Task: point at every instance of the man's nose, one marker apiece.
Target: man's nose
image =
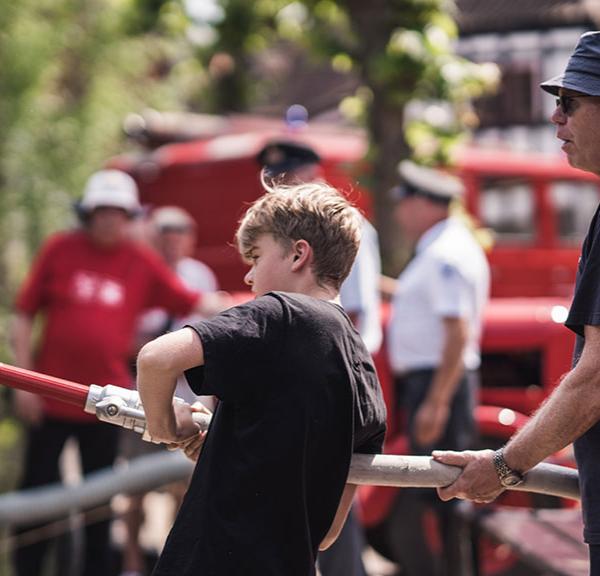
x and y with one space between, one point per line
249 277
558 116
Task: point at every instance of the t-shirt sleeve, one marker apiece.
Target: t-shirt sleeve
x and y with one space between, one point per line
238 344
33 293
166 290
370 415
585 308
449 291
373 444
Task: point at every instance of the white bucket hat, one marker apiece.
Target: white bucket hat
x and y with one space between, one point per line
110 188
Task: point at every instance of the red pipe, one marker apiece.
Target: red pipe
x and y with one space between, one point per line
63 390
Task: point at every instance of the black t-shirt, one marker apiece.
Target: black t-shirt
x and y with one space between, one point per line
585 311
298 395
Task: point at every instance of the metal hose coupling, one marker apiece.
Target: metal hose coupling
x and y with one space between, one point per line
123 407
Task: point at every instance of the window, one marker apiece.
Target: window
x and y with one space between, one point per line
575 204
513 103
507 206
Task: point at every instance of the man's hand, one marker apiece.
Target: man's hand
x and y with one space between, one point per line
29 407
430 422
212 303
478 480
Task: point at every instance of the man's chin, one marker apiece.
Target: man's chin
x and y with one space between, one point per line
567 148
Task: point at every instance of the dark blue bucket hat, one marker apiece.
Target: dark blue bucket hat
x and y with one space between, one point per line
582 73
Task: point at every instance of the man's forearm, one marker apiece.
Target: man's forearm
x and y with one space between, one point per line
21 334
564 417
451 368
572 408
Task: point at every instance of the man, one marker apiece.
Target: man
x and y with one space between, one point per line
433 345
291 162
90 286
297 395
572 411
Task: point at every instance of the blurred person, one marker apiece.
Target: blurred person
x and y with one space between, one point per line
572 412
297 390
433 348
90 285
290 162
172 232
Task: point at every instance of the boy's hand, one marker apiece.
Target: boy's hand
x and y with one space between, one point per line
191 443
193 446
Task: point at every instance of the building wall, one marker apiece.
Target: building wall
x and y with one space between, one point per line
518 117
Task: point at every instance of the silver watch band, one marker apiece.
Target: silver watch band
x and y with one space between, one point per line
506 475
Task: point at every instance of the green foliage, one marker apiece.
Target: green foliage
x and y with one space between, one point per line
71 71
416 92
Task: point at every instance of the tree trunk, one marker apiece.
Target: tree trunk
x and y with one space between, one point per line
387 137
374 22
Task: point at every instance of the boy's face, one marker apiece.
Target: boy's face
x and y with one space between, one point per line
271 266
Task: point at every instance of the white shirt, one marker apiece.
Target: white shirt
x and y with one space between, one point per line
448 278
360 291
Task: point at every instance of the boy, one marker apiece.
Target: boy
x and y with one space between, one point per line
298 395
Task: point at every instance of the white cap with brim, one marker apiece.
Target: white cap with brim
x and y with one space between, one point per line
427 182
582 73
172 217
111 189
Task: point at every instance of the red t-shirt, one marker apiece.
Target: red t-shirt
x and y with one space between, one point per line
90 298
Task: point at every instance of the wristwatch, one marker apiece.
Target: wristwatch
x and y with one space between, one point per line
507 476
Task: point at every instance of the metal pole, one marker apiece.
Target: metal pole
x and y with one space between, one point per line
123 407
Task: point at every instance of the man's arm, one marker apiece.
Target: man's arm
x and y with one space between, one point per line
572 408
212 303
432 416
159 364
340 516
28 406
20 339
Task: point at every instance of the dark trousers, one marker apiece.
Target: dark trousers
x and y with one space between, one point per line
344 557
414 539
98 449
594 560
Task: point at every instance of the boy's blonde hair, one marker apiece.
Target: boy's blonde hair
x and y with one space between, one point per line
314 212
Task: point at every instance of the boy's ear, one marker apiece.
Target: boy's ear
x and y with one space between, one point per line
302 252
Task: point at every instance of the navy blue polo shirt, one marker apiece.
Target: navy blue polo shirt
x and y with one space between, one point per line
585 311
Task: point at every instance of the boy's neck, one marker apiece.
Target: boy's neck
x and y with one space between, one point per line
327 293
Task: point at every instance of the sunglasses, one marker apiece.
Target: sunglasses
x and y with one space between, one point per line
566 103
